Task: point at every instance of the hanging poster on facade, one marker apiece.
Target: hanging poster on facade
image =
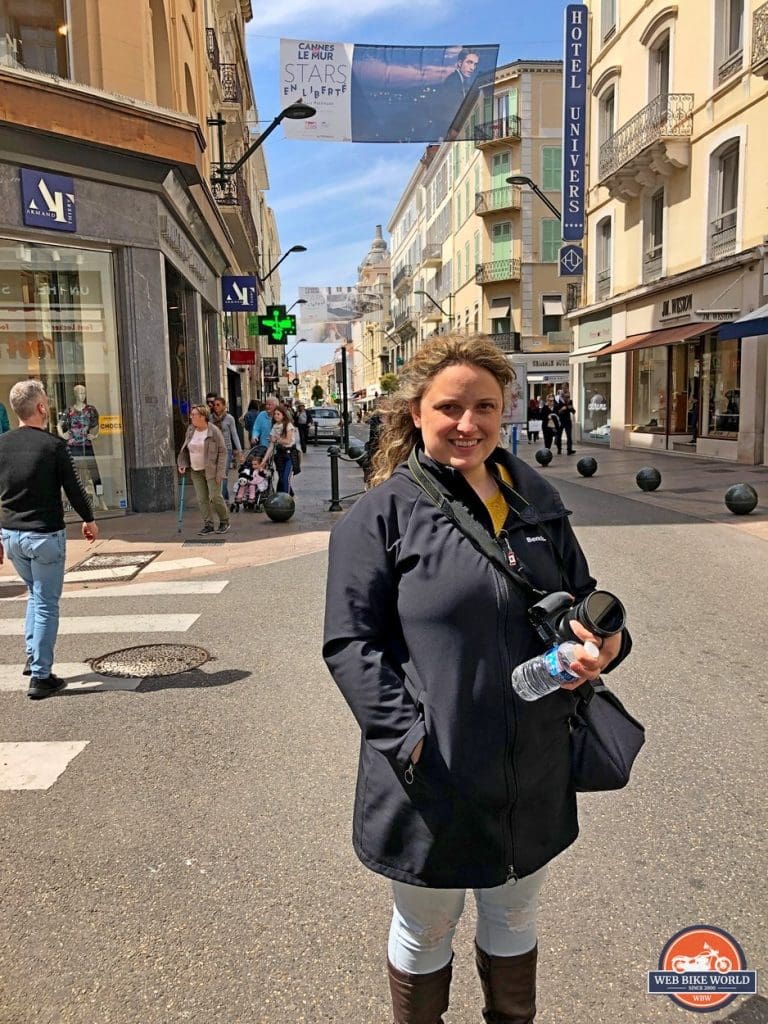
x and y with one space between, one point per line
367 93
340 305
270 369
327 333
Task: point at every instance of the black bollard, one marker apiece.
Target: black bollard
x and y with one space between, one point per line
333 455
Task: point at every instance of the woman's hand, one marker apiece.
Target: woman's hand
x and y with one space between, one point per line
585 665
416 752
182 470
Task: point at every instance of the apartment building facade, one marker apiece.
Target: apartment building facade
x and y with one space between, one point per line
112 242
676 229
470 250
368 355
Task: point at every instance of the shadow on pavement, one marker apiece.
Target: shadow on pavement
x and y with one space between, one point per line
752 1011
194 680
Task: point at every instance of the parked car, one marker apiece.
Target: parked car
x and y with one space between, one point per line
326 425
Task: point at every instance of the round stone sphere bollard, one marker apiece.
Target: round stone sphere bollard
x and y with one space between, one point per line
356 452
543 456
648 479
280 507
587 466
741 499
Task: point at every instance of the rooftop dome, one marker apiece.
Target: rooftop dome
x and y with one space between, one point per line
378 253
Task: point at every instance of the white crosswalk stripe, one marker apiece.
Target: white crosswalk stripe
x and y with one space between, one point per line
37 765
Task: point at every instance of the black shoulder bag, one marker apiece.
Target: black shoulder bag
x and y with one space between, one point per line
605 738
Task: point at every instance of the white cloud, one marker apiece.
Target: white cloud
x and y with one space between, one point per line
335 13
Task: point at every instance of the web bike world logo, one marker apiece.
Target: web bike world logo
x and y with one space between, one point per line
702 969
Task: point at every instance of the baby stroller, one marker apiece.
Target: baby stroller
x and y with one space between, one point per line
253 487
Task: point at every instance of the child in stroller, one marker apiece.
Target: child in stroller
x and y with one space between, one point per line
253 487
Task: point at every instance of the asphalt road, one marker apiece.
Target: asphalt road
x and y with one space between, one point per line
194 863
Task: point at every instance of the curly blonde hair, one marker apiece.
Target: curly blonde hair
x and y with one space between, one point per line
400 435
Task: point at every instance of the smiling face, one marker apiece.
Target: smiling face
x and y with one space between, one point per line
459 416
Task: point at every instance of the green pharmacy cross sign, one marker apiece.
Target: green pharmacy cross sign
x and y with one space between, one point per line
277 325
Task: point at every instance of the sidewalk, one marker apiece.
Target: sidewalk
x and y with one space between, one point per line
694 487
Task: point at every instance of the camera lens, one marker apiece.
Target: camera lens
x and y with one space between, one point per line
602 613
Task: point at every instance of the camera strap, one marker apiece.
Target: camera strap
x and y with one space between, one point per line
461 518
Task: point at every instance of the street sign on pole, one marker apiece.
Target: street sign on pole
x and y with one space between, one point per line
571 261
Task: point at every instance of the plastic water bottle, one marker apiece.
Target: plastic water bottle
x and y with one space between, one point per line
546 672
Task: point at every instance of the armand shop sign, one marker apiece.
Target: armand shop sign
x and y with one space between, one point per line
110 424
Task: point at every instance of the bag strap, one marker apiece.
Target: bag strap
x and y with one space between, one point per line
463 521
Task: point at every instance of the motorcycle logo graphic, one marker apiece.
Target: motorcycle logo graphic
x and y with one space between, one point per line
702 968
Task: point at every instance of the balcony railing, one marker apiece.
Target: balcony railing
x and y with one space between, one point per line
652 264
722 235
233 192
402 317
501 128
497 270
603 283
212 47
404 274
230 83
760 41
507 341
432 252
730 66
505 198
572 297
669 115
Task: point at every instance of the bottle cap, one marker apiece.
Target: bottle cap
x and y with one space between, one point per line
591 649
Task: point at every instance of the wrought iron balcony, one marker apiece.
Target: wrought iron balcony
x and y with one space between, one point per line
760 41
722 235
403 317
572 297
652 264
499 130
505 198
212 47
230 83
654 142
732 63
603 283
497 270
402 278
506 341
233 195
432 254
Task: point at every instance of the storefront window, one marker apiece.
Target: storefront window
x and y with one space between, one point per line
649 390
595 406
34 35
720 388
57 325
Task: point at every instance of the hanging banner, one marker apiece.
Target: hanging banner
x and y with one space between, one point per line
340 305
384 93
574 121
326 333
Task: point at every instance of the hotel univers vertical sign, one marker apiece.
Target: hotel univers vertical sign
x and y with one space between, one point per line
575 120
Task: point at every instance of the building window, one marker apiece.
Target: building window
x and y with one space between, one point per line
550 240
604 258
725 197
551 168
653 245
730 38
649 390
552 312
606 115
607 19
459 280
467 269
721 370
34 36
658 68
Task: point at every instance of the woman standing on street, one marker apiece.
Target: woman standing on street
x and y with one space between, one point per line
204 454
281 440
461 784
550 425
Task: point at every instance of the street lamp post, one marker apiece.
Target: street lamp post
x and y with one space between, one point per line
298 302
270 272
522 179
298 111
449 314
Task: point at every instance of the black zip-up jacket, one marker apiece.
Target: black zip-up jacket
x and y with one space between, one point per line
34 467
422 632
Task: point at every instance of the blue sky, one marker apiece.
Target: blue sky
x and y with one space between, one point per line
329 196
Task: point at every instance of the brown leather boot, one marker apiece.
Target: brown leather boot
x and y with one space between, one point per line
419 998
509 986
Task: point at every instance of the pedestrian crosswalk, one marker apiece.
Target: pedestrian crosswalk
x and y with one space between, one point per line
35 764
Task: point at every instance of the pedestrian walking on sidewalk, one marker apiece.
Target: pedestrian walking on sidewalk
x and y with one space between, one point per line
461 784
565 413
204 454
550 425
34 467
302 423
225 421
535 407
249 419
282 439
262 425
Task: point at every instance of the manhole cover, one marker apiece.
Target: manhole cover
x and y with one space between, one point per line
122 565
150 660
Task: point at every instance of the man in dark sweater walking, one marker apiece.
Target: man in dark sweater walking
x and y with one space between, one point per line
34 467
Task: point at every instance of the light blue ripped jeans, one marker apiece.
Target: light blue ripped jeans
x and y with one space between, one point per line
424 920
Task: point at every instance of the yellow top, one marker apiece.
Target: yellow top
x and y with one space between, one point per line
497 506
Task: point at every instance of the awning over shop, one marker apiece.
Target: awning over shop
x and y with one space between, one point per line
499 308
666 336
748 326
552 305
582 354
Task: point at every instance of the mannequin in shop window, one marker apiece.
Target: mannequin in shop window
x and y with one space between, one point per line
79 426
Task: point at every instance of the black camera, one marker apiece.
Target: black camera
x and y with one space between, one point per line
600 612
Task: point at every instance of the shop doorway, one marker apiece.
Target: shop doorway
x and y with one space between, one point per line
177 342
684 390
